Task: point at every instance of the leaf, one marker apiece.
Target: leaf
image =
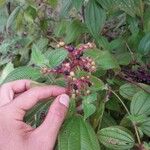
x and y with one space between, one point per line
107 120
8 68
42 44
30 14
128 90
88 107
53 3
145 127
137 118
115 138
95 17
13 16
106 60
30 116
144 46
97 117
140 104
73 31
66 7
109 5
37 57
60 28
78 4
3 18
2 2
23 73
128 6
97 84
77 134
57 56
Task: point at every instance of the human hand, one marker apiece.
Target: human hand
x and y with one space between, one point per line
15 99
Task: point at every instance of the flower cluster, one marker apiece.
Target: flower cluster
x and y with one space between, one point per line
76 86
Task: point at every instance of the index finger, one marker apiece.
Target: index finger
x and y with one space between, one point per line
8 90
29 98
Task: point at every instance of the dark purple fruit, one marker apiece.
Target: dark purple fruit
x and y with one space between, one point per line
66 73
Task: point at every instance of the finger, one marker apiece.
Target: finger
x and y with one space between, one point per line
54 119
29 98
8 90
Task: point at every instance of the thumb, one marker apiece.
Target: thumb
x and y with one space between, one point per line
54 119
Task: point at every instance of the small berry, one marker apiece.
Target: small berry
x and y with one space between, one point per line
86 46
74 79
66 72
85 69
70 48
93 63
88 77
75 87
62 44
82 78
77 91
67 65
58 45
72 74
88 91
93 67
73 96
89 84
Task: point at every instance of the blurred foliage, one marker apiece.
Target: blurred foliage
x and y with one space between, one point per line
119 106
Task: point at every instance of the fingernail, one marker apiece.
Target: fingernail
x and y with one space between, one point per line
64 100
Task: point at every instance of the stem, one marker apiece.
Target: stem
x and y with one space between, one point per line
134 125
142 10
132 54
121 102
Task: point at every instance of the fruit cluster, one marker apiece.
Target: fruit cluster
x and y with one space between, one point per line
76 60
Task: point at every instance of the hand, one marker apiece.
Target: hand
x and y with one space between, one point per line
15 99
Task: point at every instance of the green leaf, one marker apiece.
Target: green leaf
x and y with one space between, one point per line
128 6
77 134
73 31
37 57
137 118
23 73
115 138
60 28
106 60
53 3
30 116
144 46
2 2
109 5
88 107
95 17
140 104
13 16
97 84
30 14
78 4
8 68
3 18
56 57
128 90
107 120
66 7
145 127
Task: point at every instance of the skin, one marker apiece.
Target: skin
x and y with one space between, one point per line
15 99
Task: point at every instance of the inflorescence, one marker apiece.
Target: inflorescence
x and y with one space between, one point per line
76 60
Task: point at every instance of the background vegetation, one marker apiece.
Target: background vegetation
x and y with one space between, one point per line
116 115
